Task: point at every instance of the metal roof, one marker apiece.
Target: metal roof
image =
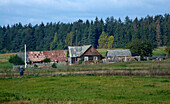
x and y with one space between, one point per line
56 55
37 56
77 51
118 52
22 56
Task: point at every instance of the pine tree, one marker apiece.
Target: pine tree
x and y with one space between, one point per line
69 39
158 32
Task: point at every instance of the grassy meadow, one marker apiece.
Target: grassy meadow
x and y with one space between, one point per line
159 51
85 89
108 83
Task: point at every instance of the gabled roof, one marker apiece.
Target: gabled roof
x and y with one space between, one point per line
77 51
118 52
56 55
37 56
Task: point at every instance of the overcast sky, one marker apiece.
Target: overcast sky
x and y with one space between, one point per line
37 11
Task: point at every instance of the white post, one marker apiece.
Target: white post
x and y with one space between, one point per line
70 60
25 57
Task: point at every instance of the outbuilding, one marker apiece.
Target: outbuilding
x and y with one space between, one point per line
118 55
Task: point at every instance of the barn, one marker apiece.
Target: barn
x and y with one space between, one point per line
83 53
54 56
118 55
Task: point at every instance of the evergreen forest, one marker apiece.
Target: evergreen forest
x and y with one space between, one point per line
109 33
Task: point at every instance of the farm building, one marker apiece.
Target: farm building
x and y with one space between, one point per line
83 53
118 55
54 56
158 57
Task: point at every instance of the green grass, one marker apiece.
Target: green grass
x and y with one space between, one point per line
5 65
159 51
5 57
102 52
85 89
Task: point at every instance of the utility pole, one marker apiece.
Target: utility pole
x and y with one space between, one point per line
25 57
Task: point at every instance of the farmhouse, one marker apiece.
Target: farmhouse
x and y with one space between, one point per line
54 56
118 55
83 53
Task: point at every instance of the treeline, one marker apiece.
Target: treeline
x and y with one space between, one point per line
56 36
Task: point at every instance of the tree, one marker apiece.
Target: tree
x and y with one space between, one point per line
110 42
47 60
167 50
69 39
16 60
60 35
158 32
103 40
54 44
91 36
141 47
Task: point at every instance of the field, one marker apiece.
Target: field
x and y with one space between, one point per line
85 89
131 82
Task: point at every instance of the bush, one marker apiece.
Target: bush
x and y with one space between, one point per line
16 60
47 60
54 65
30 62
35 65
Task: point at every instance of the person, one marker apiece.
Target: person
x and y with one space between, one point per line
21 70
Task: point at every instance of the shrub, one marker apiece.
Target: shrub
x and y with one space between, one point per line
30 62
35 65
54 65
16 60
81 61
47 60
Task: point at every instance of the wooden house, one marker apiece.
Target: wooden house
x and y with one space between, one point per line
83 53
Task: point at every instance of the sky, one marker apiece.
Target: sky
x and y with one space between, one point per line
67 11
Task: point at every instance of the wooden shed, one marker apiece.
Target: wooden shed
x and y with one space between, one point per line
118 55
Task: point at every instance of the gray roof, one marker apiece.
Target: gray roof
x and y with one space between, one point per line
118 52
77 51
22 56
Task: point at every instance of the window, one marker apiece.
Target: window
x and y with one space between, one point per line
86 58
95 58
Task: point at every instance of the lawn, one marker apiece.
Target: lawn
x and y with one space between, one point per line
85 89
